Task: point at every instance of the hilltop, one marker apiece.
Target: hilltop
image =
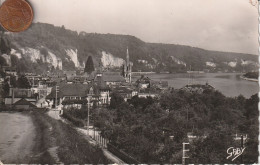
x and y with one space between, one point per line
44 47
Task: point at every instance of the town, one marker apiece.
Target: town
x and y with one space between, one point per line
63 89
84 96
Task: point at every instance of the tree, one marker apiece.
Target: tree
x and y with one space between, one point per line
251 106
44 51
252 129
13 81
141 102
6 87
2 61
89 67
23 82
116 100
5 47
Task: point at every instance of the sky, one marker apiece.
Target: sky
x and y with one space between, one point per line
222 25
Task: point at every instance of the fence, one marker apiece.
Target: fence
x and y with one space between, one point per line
104 143
100 140
122 155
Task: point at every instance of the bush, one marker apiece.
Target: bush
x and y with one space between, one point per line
77 122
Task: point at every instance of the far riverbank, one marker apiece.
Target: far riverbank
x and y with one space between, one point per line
248 79
230 84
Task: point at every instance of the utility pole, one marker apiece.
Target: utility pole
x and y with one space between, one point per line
56 92
184 156
94 117
242 146
88 114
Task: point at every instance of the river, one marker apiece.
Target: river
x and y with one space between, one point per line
230 84
16 138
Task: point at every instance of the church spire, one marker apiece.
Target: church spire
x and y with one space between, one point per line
127 56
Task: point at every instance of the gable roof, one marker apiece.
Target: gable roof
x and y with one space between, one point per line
69 90
113 77
24 102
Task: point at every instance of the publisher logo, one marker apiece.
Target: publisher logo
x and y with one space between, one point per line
234 153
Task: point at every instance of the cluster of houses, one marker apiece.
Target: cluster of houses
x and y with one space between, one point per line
76 89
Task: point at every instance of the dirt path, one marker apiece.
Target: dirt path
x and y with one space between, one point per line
63 143
17 134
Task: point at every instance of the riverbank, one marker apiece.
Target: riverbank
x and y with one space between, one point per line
248 79
54 142
230 84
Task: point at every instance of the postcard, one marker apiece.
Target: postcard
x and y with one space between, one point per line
129 82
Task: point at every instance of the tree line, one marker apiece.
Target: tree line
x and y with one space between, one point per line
152 130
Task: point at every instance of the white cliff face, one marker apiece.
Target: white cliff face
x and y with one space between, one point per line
108 60
52 59
59 64
34 55
232 64
17 54
247 62
211 64
155 61
176 60
73 54
7 59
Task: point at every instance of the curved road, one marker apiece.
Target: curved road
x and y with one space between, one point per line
17 134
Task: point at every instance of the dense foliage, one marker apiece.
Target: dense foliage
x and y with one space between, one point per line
76 116
23 82
152 130
89 66
253 75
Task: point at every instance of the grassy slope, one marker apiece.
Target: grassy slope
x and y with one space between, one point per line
73 148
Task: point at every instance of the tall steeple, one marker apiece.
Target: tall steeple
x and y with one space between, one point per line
128 68
127 57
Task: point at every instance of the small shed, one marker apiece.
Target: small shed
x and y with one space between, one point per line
24 104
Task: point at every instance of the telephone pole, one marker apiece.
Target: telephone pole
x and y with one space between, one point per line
56 92
88 114
242 146
184 150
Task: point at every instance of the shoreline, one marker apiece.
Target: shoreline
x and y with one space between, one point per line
248 79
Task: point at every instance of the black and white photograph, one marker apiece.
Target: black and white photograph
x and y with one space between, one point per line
129 82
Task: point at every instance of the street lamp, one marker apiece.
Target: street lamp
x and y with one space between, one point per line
88 114
56 95
88 99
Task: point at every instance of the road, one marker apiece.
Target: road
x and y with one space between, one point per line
34 137
16 137
89 137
